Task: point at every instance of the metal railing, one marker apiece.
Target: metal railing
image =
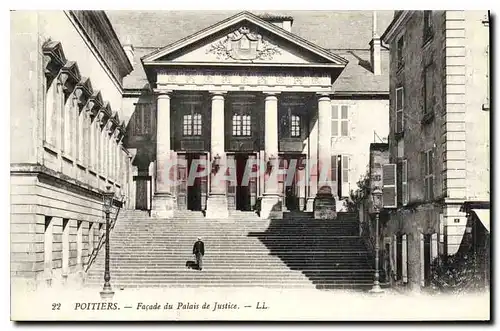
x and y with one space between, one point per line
102 237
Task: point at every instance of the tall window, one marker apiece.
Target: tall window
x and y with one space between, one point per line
340 174
242 125
399 51
191 124
399 109
142 123
404 186
340 120
428 90
290 124
53 105
428 159
428 28
345 175
295 126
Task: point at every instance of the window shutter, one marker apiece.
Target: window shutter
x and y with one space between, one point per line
334 168
404 184
344 126
333 174
422 260
399 181
335 121
405 258
345 175
434 246
399 110
389 186
395 255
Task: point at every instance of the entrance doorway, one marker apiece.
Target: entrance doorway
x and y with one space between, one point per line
289 186
242 188
242 196
192 188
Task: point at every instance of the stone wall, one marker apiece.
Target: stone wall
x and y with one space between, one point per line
55 195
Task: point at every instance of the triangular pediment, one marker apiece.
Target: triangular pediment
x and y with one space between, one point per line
244 38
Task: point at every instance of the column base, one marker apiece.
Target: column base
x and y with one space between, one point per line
271 207
310 204
163 205
324 207
217 207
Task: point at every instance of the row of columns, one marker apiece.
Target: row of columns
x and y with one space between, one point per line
217 202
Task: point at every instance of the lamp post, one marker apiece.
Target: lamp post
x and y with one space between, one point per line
107 197
377 205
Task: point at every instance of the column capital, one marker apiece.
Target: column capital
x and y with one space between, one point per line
323 96
213 93
162 94
271 95
217 95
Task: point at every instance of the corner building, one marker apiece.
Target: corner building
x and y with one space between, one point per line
439 134
67 131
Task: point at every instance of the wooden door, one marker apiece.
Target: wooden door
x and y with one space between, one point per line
203 181
231 185
253 179
283 164
141 196
182 173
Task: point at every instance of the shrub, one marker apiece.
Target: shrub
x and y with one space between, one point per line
458 273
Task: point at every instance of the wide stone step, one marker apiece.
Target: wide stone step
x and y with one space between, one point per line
231 282
276 285
206 274
239 257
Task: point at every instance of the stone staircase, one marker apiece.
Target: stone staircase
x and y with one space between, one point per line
243 251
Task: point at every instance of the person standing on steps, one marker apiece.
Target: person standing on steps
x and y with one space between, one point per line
199 252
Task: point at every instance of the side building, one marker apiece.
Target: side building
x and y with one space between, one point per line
66 135
439 132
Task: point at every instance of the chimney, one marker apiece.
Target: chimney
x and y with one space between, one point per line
129 50
284 22
375 47
287 25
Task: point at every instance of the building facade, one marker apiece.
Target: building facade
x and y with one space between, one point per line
247 96
98 101
66 133
439 132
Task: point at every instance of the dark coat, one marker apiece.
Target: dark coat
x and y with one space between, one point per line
199 247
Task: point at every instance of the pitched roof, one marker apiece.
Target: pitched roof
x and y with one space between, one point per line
246 16
327 29
345 33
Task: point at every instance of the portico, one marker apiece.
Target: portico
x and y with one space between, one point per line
238 105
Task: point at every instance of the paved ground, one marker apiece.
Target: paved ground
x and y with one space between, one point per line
244 304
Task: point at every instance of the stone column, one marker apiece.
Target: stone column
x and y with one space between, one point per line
324 204
163 202
217 200
312 164
271 199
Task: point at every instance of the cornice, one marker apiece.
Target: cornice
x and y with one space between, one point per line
393 27
99 20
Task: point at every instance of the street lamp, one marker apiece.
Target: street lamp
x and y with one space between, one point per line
377 205
107 198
